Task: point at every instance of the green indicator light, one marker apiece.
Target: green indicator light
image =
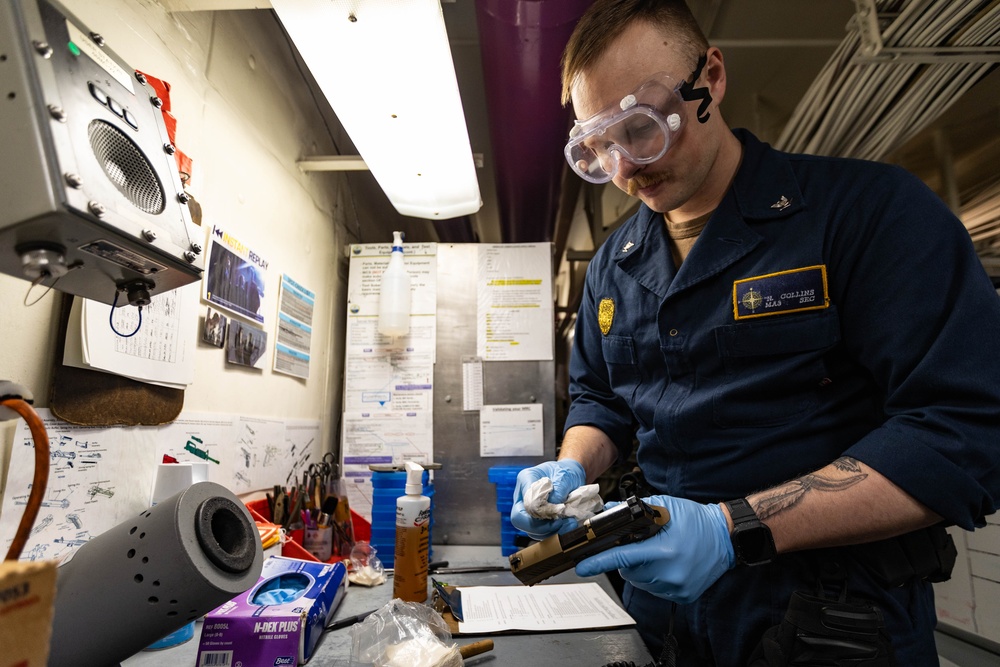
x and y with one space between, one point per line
73 48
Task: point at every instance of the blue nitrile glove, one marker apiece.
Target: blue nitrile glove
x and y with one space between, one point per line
681 560
567 475
282 589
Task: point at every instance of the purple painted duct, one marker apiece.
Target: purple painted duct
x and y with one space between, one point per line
455 230
521 42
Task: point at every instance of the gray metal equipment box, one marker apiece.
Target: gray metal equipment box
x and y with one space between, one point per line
92 202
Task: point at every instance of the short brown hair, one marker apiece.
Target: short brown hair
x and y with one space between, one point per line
605 20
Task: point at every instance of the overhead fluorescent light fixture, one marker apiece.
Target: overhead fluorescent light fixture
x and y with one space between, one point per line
386 68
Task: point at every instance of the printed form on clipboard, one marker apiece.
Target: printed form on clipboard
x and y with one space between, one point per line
541 608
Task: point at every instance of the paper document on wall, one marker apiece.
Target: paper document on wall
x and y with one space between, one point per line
543 607
511 430
514 314
161 351
100 476
261 458
367 263
236 276
296 305
303 444
472 383
200 438
380 438
389 380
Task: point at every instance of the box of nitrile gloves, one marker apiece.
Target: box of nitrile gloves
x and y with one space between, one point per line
277 622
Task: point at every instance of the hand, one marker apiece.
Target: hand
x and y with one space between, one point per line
680 561
566 475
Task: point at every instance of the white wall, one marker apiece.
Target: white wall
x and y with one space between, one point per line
244 116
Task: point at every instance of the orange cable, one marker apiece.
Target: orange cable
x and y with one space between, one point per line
41 479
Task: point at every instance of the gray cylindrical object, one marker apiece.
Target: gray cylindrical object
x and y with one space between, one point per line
153 574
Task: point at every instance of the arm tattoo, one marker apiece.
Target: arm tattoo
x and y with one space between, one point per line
791 493
847 464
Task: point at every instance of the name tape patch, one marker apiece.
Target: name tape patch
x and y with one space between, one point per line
783 292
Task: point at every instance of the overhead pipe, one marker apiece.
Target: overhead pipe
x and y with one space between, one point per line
521 42
456 230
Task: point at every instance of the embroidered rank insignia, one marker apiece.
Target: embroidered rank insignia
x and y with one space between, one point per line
605 315
782 203
783 292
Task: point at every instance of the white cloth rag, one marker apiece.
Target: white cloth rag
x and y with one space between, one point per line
367 576
421 651
581 504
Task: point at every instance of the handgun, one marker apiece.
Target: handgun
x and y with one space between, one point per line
632 521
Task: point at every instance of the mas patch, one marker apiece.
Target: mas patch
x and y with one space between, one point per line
783 292
605 315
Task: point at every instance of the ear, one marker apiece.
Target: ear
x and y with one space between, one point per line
714 75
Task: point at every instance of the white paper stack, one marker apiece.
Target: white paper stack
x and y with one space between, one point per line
161 351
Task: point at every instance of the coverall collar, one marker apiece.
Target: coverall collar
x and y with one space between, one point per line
764 188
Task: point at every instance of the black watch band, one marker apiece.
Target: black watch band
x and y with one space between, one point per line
752 541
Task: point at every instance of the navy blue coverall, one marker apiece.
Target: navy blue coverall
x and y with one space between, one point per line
829 308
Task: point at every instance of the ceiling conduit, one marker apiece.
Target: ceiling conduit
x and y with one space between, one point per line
902 64
521 42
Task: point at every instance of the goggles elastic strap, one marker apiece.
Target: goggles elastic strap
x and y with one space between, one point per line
689 93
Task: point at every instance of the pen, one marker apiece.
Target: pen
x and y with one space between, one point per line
350 620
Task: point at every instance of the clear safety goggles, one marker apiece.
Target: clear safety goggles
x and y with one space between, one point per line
641 128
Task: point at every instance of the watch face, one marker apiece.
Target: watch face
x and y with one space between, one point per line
752 542
755 544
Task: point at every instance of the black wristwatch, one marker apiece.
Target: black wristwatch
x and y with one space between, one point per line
752 540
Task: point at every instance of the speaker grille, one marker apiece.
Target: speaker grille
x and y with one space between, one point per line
127 167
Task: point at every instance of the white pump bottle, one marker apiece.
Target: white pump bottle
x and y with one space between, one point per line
394 293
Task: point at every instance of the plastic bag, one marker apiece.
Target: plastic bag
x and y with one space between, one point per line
366 567
403 634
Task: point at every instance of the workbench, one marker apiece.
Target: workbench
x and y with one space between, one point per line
579 648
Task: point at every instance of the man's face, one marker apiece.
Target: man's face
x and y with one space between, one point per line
640 52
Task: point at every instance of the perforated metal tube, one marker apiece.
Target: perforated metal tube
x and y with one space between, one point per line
153 574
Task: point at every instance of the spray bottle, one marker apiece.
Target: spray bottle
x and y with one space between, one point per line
413 518
394 293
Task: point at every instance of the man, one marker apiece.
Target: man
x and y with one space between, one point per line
813 335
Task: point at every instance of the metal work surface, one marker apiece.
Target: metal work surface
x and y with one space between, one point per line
464 500
582 648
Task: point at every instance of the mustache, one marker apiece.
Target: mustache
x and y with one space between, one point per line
640 181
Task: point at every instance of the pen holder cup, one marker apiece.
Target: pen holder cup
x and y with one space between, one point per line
319 542
293 547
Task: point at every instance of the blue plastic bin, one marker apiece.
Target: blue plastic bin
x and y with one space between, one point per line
505 479
386 488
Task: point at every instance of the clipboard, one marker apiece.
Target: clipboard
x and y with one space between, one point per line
448 601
